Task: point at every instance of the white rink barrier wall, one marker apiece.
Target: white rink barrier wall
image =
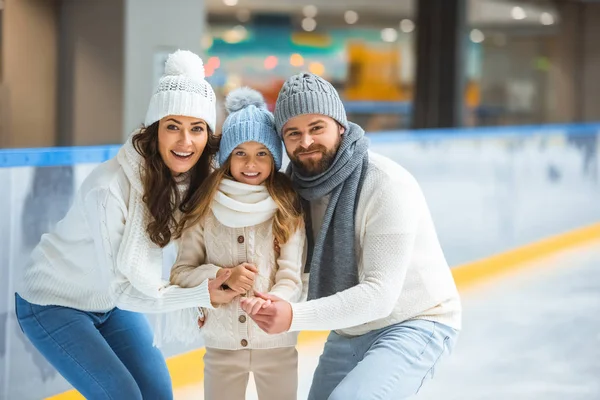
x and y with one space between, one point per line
489 190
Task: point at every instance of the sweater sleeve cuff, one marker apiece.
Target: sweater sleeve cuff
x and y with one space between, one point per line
210 270
283 293
204 295
197 296
304 317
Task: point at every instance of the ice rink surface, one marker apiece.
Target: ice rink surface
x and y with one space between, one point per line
534 334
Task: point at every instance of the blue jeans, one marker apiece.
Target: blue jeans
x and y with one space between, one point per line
103 355
389 363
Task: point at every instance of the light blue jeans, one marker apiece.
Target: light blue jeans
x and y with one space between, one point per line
104 356
389 363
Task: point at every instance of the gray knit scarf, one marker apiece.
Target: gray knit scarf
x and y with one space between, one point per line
343 180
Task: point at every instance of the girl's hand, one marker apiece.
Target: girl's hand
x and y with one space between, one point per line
242 278
254 304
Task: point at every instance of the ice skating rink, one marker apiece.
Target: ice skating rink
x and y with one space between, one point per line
498 196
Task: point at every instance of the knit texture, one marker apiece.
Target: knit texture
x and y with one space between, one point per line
182 90
249 120
306 93
99 256
331 259
210 245
403 273
238 204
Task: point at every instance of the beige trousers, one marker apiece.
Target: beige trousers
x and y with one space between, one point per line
275 371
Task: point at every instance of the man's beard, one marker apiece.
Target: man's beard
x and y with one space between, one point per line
310 167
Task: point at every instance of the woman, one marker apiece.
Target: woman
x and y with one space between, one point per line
90 279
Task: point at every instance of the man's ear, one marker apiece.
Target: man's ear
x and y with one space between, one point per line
342 129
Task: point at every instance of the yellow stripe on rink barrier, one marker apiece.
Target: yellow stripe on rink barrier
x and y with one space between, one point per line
469 274
70 395
187 369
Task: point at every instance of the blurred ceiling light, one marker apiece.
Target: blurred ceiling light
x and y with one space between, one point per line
235 35
316 68
546 18
351 17
389 35
214 62
243 15
271 62
233 81
296 60
407 26
477 36
518 13
230 3
211 65
207 41
309 24
310 11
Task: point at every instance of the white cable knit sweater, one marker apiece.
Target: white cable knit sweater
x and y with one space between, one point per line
220 241
403 273
99 256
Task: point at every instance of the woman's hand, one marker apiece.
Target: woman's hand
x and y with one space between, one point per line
201 318
218 295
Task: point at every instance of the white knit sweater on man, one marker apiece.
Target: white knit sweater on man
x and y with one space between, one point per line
403 273
99 256
240 229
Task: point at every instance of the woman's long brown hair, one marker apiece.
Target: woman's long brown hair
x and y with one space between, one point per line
160 189
288 217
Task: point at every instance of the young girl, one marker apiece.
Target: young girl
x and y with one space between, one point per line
247 219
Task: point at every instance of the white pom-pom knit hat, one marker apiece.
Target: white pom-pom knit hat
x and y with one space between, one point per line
182 90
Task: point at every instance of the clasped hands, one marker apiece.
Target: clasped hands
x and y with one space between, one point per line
271 313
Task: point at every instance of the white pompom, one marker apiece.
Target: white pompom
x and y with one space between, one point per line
242 98
184 62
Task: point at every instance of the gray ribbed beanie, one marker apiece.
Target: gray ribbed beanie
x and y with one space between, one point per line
307 93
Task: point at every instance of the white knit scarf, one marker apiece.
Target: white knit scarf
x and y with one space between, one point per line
238 205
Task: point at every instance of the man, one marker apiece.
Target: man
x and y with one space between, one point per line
377 276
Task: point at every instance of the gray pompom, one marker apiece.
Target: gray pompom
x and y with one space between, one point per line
242 98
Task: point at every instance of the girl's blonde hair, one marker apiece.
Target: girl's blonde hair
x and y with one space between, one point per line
288 217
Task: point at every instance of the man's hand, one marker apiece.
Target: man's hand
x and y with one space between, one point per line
219 295
242 277
273 318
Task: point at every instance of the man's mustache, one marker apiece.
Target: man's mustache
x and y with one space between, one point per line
311 148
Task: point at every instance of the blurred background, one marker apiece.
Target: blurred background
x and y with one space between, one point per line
494 105
80 72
